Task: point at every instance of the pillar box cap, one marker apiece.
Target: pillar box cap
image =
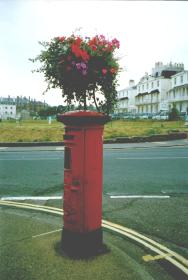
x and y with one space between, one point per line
83 118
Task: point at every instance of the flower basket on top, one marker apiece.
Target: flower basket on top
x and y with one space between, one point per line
83 69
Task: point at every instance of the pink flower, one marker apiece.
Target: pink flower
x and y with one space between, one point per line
116 43
78 66
104 71
83 65
84 72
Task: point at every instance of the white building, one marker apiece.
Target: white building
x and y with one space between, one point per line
151 92
7 111
165 87
177 95
126 99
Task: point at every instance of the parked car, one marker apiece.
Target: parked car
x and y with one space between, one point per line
145 116
163 115
183 115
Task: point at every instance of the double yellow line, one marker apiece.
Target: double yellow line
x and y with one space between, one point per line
163 252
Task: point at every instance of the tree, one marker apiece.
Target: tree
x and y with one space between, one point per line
174 114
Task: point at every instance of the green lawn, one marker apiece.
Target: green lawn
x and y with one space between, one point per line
40 130
26 258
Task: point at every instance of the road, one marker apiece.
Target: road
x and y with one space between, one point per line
133 170
128 170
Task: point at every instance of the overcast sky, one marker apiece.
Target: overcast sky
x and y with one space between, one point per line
148 32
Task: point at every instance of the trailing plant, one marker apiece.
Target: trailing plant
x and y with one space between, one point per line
85 69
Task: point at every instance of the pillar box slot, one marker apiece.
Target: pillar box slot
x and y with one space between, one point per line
67 160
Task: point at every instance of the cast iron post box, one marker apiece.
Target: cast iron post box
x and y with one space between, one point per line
82 201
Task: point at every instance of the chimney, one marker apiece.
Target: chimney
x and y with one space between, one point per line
131 83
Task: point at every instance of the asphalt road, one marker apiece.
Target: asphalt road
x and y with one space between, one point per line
132 170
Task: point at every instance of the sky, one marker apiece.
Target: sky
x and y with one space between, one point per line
148 31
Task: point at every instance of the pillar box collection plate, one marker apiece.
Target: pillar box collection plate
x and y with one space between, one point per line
82 200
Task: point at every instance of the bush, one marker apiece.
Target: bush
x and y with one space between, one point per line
174 114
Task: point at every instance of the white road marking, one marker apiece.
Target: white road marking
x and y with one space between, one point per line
153 158
24 159
31 198
46 233
60 149
139 196
3 148
163 143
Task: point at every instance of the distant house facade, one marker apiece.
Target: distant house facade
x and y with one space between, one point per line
167 86
177 95
126 99
7 111
23 107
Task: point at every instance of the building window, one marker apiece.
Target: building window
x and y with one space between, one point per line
152 85
142 87
181 79
175 81
158 83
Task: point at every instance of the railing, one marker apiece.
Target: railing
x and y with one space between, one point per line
177 98
147 101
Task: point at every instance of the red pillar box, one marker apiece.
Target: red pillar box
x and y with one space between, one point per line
82 203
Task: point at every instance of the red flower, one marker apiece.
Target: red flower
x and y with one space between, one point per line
113 70
108 48
93 41
62 38
76 50
94 48
79 52
104 71
78 41
84 55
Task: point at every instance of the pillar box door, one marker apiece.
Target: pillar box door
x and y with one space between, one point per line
82 201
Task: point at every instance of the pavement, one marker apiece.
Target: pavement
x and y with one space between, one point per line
183 142
52 147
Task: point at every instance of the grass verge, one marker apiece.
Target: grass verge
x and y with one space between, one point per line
40 131
26 258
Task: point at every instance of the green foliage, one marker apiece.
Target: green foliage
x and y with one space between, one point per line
82 68
174 114
50 111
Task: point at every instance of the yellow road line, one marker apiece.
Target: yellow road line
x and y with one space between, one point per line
117 228
151 247
149 258
162 247
32 207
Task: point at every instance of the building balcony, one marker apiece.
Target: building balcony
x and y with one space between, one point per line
177 98
149 101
